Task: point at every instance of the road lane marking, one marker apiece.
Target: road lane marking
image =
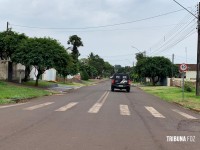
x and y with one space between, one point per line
183 114
68 106
97 106
154 112
38 106
124 110
12 105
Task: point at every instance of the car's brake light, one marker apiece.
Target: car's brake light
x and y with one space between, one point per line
129 81
113 81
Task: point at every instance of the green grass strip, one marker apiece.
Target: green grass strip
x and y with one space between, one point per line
174 94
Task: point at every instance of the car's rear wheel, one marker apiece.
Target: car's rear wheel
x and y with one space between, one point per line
112 89
128 90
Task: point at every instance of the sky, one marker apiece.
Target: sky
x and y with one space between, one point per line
114 29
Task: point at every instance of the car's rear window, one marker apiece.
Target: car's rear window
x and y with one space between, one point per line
121 77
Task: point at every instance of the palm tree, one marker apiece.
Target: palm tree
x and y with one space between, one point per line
76 42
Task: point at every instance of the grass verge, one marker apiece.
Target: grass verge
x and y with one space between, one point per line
9 93
43 84
83 83
174 94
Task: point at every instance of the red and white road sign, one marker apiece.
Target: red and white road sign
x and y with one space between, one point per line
183 67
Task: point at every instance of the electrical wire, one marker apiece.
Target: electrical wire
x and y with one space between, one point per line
173 30
185 36
175 35
102 26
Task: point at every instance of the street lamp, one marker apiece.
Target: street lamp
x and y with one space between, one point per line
144 52
136 48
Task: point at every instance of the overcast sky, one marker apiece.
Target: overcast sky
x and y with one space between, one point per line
113 29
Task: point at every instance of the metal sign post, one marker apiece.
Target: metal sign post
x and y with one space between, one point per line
183 68
183 75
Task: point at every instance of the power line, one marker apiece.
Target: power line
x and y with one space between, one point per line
173 30
186 9
185 36
179 32
103 26
122 29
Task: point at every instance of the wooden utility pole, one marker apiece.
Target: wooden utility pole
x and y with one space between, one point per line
198 55
10 64
198 46
172 65
7 26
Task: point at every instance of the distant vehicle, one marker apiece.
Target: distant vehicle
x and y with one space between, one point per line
121 81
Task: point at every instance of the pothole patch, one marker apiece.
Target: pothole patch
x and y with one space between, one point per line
189 125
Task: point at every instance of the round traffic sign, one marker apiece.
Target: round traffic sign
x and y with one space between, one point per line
183 67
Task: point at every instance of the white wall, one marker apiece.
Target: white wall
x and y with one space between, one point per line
191 75
3 70
49 75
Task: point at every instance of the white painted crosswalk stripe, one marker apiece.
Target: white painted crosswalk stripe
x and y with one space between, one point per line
184 114
124 110
38 106
154 112
68 106
12 105
97 106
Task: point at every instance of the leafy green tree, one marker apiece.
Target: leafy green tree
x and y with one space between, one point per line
76 42
43 54
63 66
9 43
154 68
108 69
140 56
97 62
84 75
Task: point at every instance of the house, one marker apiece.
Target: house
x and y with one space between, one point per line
48 75
190 75
3 70
191 72
18 72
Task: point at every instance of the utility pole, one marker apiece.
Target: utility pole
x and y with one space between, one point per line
198 46
10 65
198 55
172 65
7 26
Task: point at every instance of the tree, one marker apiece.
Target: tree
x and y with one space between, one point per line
84 75
140 56
64 67
108 69
84 65
97 62
9 43
154 67
76 42
42 53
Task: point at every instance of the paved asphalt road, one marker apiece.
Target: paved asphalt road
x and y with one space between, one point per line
93 118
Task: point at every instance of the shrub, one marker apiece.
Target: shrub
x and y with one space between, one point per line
188 86
84 75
